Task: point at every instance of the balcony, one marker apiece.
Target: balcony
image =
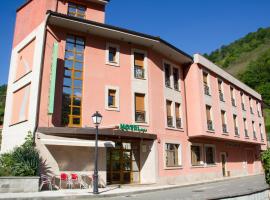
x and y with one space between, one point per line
140 116
246 133
221 96
224 128
233 102
210 125
243 107
236 131
206 90
170 121
167 82
138 72
178 123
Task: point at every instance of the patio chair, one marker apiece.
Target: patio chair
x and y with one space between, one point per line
64 178
87 180
45 180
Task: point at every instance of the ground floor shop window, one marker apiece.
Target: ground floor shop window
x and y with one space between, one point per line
173 152
209 155
196 155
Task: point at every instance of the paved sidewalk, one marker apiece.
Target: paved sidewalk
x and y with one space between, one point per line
211 190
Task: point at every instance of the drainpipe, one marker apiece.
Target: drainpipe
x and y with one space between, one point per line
40 77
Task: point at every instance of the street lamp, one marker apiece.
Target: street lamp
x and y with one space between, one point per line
96 117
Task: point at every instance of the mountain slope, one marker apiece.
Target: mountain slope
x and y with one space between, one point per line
248 59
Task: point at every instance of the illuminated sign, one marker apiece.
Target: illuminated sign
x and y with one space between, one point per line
132 127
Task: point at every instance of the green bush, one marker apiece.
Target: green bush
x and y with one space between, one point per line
266 164
22 161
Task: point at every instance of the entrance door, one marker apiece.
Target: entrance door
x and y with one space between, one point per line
249 160
223 163
120 164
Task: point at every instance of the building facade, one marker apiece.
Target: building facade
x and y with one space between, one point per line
167 117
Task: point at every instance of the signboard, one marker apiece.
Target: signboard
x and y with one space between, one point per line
132 127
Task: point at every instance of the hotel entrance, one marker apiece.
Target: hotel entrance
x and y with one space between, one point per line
123 163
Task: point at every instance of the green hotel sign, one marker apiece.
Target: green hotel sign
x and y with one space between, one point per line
132 127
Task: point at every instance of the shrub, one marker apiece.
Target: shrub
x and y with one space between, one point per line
266 164
22 161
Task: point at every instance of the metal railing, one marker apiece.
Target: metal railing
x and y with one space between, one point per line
169 121
221 96
224 128
139 116
233 102
206 90
210 125
178 123
138 72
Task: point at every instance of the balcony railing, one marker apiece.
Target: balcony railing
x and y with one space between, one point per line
167 82
138 72
178 123
169 121
246 133
243 107
254 135
224 128
251 111
236 131
139 116
206 90
221 96
233 102
210 125
176 86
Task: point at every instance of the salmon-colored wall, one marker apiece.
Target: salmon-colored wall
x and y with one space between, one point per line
25 60
20 105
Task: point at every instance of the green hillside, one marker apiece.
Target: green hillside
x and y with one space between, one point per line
248 59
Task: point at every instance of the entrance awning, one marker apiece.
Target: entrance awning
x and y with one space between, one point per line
105 132
64 141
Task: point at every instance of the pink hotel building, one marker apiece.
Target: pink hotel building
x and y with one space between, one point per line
167 117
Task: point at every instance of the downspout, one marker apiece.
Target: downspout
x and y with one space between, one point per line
40 76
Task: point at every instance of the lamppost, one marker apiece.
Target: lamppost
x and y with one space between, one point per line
96 117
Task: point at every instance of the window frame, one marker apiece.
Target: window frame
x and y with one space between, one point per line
117 56
76 6
214 156
145 122
145 67
117 98
179 155
201 162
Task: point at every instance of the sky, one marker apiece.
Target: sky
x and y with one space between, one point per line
194 26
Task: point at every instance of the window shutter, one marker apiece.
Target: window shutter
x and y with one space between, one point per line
208 114
139 102
138 59
223 117
169 110
205 78
177 110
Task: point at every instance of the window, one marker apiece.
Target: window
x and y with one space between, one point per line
139 65
261 132
178 121
196 157
112 54
254 130
245 127
173 155
258 109
167 69
243 101
220 89
250 104
139 108
223 119
176 79
111 98
72 85
235 125
169 113
205 83
76 10
232 96
210 154
209 118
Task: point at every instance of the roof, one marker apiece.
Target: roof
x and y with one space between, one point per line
118 33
